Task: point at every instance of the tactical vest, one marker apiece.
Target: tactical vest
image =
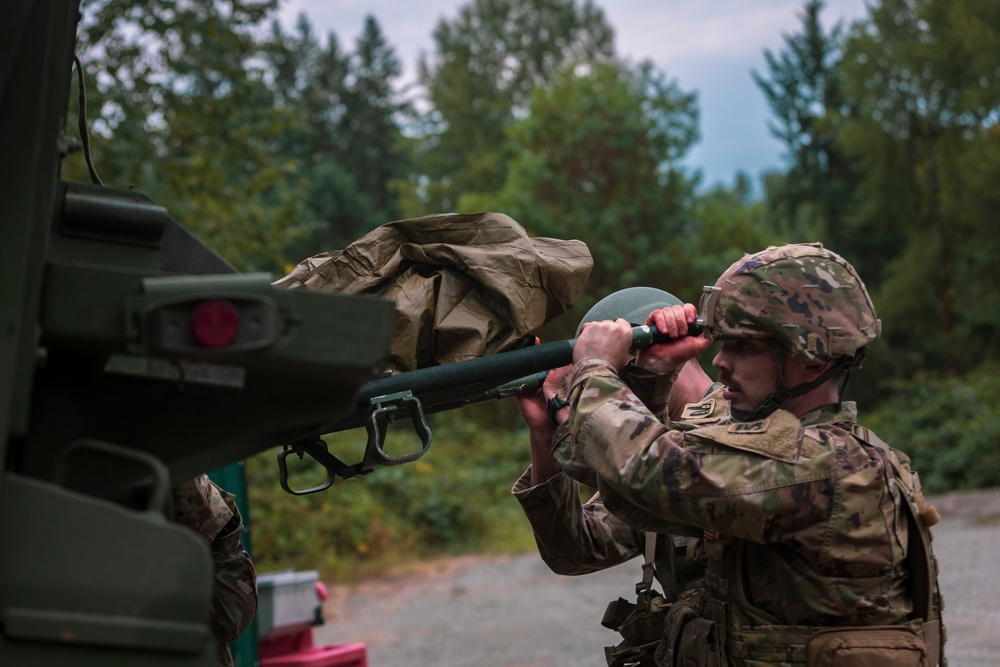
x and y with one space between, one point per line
723 628
679 565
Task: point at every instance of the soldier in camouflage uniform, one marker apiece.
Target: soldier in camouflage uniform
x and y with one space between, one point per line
816 531
211 512
576 538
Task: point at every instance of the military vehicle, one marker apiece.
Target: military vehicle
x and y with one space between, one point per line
131 356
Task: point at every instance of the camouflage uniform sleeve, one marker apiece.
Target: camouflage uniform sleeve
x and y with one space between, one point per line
211 512
200 505
651 388
574 537
678 476
235 582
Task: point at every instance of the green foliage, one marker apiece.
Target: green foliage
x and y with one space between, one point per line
268 147
804 94
597 159
729 221
949 427
922 76
336 211
180 111
456 499
891 134
978 320
347 132
371 141
487 63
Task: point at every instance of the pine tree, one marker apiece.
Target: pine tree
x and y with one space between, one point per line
486 64
923 75
371 143
803 92
181 112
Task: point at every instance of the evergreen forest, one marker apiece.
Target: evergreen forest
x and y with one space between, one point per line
275 143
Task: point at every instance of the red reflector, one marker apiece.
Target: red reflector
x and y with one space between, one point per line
215 323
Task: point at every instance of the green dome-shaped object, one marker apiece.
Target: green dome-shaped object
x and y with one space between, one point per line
632 304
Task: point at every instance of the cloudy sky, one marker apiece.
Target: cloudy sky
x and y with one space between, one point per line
708 46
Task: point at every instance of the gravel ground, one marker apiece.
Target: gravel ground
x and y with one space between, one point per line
513 612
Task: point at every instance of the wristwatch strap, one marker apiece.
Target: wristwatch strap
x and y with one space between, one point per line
553 405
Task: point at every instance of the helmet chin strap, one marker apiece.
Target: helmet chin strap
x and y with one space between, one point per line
778 398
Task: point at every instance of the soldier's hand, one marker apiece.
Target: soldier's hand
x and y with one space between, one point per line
605 340
532 406
667 357
541 429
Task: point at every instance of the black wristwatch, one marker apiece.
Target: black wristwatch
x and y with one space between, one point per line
553 405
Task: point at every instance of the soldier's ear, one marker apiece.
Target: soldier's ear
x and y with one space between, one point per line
801 370
813 371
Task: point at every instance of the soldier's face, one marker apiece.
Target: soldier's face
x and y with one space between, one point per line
747 368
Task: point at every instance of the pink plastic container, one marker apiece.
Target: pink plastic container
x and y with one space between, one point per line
335 655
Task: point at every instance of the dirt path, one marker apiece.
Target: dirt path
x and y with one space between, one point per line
513 612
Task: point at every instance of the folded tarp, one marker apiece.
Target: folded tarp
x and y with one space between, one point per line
465 285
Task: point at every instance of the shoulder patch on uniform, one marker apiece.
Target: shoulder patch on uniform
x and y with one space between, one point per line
698 410
750 427
777 437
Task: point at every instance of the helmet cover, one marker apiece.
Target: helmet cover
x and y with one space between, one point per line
808 298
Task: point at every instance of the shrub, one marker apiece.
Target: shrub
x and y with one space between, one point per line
456 499
949 426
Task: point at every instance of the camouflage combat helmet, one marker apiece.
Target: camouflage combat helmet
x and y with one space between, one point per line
632 304
806 297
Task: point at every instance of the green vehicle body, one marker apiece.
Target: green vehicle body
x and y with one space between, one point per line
110 392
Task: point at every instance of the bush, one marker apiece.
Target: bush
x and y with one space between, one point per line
456 499
949 426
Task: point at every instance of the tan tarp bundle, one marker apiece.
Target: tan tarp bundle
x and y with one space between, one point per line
465 285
